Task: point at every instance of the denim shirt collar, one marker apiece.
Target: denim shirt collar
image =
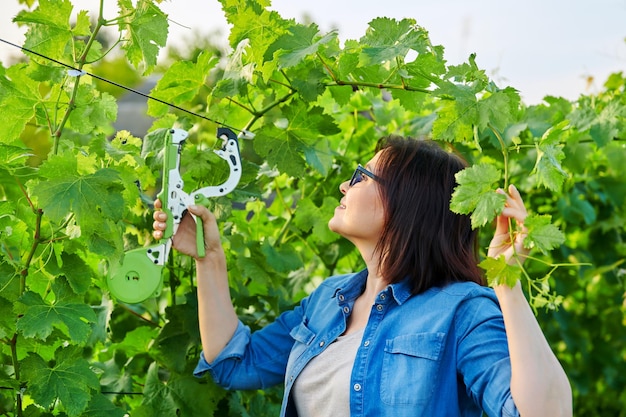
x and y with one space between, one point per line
354 284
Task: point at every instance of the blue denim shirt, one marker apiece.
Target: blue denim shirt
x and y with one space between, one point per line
440 353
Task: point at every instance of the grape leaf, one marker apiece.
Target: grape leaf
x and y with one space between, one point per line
280 149
74 269
19 95
101 406
309 217
255 23
282 259
542 234
157 399
499 272
256 271
50 30
300 41
91 197
194 398
387 39
455 117
7 318
548 167
92 110
181 83
146 29
498 109
476 194
13 159
40 318
606 125
69 380
178 335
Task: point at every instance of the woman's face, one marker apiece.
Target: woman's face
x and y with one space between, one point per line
360 215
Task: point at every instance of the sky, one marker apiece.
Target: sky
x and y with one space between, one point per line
562 48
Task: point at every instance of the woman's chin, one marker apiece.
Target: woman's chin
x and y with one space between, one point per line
333 226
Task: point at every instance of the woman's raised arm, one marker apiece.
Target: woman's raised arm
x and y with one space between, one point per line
539 385
216 313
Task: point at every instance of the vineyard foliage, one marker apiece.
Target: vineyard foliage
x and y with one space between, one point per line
75 194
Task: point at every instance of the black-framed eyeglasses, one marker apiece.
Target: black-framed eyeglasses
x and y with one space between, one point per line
358 175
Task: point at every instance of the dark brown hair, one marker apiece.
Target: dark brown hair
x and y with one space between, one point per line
422 238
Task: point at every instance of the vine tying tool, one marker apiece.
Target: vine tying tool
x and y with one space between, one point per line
139 275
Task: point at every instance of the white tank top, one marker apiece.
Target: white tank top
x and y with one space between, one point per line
323 387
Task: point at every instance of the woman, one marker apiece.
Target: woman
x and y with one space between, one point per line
415 333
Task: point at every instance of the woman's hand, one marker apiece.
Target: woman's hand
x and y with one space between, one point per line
184 240
501 244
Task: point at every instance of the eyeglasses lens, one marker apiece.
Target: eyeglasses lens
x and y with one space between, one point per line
356 177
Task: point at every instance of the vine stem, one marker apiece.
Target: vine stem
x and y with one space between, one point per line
23 275
81 63
505 155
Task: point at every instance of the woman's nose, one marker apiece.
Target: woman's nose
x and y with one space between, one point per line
343 187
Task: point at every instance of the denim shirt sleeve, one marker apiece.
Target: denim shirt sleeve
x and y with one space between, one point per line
254 360
483 358
234 349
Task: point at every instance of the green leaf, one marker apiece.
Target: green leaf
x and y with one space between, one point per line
181 83
455 118
69 380
499 272
92 197
156 395
9 279
40 318
253 22
137 340
19 95
300 42
101 406
282 259
548 167
606 125
476 194
75 270
256 272
315 219
146 30
180 395
7 317
13 160
195 398
93 111
498 109
542 234
387 39
50 31
179 334
281 150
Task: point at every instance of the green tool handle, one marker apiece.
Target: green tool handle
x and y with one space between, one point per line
200 248
200 238
170 162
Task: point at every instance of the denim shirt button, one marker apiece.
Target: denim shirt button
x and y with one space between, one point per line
379 307
357 387
341 297
346 309
321 343
383 296
367 343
